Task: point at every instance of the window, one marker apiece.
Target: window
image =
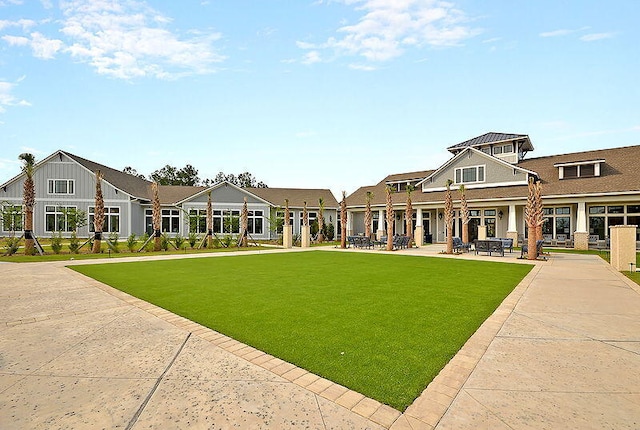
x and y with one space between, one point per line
490 212
587 170
563 211
12 218
313 216
571 172
56 218
633 209
255 222
61 186
111 220
170 220
465 175
197 221
497 150
615 209
596 210
486 150
579 169
507 149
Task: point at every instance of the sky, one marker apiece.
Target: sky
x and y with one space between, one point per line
312 94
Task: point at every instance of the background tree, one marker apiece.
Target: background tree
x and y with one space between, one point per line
98 215
169 175
28 200
156 218
390 219
368 215
320 220
343 220
133 172
242 180
408 213
448 216
464 214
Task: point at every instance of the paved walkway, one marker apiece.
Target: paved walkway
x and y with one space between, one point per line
562 351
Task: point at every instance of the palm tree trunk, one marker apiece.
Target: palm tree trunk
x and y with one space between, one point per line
156 218
343 221
98 215
29 201
209 221
448 217
390 220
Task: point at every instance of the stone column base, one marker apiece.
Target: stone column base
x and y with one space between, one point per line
287 236
482 232
623 247
418 236
305 239
513 235
379 234
581 240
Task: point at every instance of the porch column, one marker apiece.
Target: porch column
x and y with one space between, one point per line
349 222
418 234
581 235
512 228
381 223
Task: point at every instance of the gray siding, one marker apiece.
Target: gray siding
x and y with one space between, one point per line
227 194
495 172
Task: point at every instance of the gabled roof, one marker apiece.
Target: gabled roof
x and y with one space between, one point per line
492 137
132 185
482 154
409 176
619 175
173 194
296 196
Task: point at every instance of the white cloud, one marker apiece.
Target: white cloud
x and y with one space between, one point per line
596 36
122 39
492 40
311 57
363 67
7 99
556 33
387 28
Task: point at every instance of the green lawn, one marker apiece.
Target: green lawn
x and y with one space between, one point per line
382 325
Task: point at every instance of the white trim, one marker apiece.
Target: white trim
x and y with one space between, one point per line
477 169
579 163
51 185
473 185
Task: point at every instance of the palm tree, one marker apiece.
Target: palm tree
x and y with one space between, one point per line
245 224
320 219
539 211
368 215
156 218
390 216
448 216
98 215
209 221
287 213
464 214
343 221
305 215
532 219
29 201
408 214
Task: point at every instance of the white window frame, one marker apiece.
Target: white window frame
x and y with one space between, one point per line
459 172
56 213
110 212
51 186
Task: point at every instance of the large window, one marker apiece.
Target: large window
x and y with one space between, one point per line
61 186
198 221
465 175
57 218
12 218
255 222
227 221
601 218
556 221
170 221
111 219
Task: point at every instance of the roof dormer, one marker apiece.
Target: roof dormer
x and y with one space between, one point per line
579 169
508 147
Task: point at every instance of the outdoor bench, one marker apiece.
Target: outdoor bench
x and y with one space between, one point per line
489 246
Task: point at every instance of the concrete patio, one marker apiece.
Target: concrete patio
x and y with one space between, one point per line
562 351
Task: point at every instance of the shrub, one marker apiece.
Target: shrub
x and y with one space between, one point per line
329 231
112 242
74 244
193 239
314 227
164 242
11 245
132 242
227 240
178 241
56 243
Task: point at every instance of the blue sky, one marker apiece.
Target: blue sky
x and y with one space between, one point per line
325 94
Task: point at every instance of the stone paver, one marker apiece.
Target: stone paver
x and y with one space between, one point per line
562 351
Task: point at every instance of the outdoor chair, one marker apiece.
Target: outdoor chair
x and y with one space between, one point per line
459 245
525 249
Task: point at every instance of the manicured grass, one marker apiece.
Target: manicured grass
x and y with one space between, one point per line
382 325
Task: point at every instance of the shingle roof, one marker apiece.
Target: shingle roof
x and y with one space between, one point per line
137 187
171 194
491 137
619 174
296 196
